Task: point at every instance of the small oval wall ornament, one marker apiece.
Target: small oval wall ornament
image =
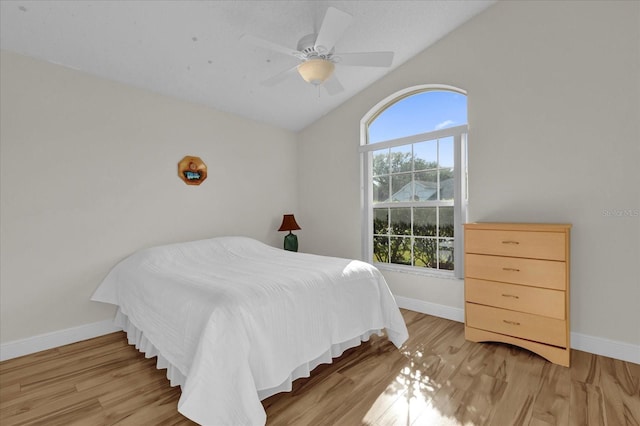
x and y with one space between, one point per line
192 170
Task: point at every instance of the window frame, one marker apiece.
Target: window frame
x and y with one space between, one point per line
460 134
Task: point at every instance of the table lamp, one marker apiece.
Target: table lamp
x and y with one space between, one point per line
289 224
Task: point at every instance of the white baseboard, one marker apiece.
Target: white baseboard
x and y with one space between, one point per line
54 339
605 347
582 342
442 311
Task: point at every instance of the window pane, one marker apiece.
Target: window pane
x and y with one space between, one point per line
381 162
425 221
381 249
445 254
400 250
425 155
445 152
401 187
425 186
400 158
380 221
447 183
424 252
400 221
446 222
419 113
380 189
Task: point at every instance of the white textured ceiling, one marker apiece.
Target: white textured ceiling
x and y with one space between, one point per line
191 49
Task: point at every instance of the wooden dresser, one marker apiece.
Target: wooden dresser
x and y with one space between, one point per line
516 286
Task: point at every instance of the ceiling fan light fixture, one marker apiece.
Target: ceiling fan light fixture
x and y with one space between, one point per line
316 71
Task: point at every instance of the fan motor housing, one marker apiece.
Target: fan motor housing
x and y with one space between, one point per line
307 46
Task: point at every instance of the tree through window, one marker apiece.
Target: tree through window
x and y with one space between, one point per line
414 157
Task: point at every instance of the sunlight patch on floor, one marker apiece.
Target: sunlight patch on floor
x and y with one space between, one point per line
407 401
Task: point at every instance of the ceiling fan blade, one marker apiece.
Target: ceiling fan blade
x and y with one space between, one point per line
333 26
280 77
333 85
365 59
260 42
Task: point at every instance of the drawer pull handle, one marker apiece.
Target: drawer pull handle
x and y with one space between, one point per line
510 295
510 242
511 322
511 269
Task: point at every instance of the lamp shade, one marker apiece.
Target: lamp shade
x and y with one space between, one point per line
289 223
316 71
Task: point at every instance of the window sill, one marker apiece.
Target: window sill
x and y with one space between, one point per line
416 271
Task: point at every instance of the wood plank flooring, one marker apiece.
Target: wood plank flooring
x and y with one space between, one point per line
437 379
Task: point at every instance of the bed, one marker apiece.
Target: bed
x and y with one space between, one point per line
235 321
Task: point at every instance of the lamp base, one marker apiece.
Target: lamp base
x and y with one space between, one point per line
291 242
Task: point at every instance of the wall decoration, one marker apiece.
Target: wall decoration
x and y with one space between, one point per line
192 170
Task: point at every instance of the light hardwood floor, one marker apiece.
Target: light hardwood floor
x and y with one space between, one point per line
437 379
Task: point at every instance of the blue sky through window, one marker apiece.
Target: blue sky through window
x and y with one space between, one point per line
419 113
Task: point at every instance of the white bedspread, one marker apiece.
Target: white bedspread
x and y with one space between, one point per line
236 317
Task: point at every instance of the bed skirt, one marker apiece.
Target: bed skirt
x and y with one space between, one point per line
177 378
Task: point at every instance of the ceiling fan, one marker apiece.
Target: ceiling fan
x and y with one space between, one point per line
317 55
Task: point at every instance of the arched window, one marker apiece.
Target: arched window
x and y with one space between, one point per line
413 148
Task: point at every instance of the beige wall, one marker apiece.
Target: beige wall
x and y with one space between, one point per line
554 116
88 166
88 175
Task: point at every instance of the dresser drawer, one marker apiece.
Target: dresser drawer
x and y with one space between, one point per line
533 272
519 324
534 245
533 300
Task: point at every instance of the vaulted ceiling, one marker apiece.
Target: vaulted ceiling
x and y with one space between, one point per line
193 50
